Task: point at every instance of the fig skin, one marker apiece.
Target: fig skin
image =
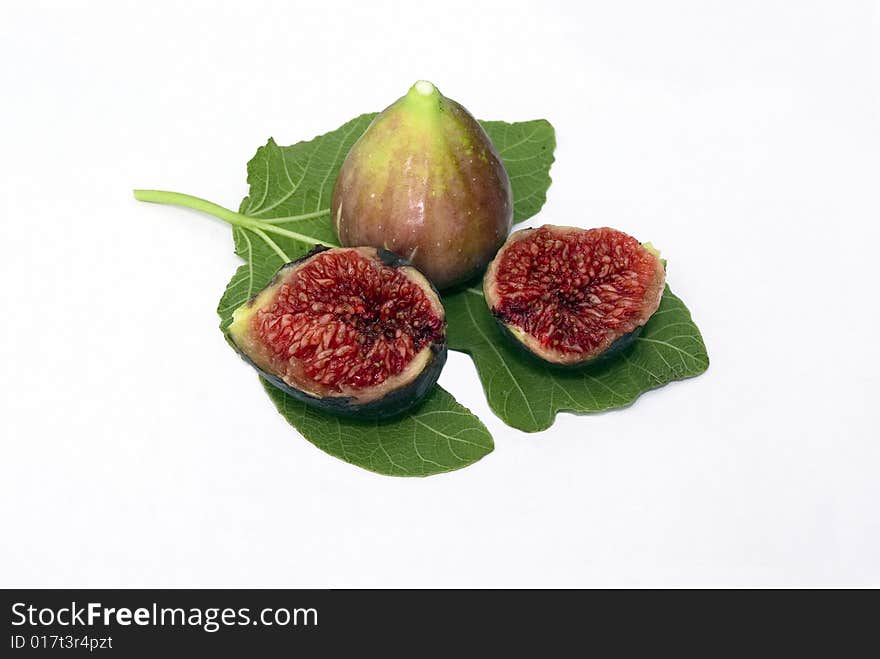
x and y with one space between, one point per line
424 181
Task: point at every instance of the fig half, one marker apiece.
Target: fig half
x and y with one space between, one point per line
425 182
352 331
572 296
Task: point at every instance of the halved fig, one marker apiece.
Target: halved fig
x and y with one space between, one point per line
353 331
572 296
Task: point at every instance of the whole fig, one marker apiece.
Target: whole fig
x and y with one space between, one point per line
424 181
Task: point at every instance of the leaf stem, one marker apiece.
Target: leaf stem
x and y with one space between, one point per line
188 201
228 216
271 228
294 218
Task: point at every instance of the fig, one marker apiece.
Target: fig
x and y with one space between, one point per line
425 182
572 296
352 331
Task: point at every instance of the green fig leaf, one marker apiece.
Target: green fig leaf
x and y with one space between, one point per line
439 436
527 395
526 148
290 190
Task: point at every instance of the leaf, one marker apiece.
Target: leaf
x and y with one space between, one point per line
287 211
528 395
440 436
526 148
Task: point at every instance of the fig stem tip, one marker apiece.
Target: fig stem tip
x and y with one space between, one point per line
424 87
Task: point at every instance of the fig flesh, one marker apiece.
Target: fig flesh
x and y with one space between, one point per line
425 182
353 331
572 296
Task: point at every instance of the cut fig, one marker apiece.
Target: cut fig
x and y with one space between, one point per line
353 331
573 296
425 181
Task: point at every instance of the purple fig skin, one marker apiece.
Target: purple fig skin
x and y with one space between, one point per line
425 182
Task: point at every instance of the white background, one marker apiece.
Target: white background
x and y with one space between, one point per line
740 137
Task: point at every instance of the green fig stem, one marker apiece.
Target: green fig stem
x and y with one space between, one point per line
260 227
